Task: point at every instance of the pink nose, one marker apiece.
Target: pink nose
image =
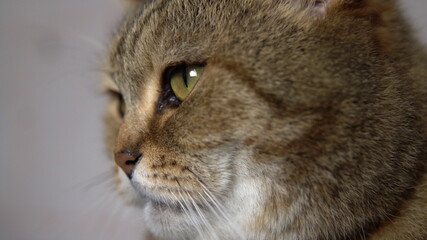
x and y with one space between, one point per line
127 161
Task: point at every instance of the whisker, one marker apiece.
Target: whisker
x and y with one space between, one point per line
206 190
184 208
93 42
192 214
219 207
101 178
217 204
208 204
208 225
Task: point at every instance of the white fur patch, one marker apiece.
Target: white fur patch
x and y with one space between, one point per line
125 188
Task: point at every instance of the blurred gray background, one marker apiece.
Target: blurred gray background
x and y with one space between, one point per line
54 182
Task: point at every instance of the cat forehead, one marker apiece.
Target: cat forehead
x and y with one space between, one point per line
160 33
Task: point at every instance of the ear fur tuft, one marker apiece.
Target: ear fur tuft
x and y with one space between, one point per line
380 18
319 8
381 15
357 8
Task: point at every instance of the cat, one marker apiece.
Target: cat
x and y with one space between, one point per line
270 119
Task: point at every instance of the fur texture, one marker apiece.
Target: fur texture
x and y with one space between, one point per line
309 121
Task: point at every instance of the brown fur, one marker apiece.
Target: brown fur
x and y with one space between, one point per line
309 121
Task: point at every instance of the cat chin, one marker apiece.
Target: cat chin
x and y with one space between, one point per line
226 216
169 222
164 220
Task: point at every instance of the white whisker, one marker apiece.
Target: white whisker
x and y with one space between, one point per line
217 204
203 218
220 208
208 204
192 215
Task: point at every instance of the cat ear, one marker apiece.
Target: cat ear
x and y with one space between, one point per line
360 8
381 16
315 8
318 7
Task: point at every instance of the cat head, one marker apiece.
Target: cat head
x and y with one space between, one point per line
252 119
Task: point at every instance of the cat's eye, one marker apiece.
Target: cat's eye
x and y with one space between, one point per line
183 79
178 82
121 105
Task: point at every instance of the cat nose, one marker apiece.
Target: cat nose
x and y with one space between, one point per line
127 161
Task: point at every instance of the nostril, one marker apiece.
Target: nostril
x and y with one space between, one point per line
130 162
127 161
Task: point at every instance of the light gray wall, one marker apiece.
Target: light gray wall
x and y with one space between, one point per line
52 157
51 143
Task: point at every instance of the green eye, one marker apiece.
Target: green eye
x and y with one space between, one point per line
120 102
183 79
122 106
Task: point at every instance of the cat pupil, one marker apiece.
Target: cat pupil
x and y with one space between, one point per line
184 76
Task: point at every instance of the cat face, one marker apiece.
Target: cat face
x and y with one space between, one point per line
256 120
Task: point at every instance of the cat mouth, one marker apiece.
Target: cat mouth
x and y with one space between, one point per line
167 200
167 206
175 207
